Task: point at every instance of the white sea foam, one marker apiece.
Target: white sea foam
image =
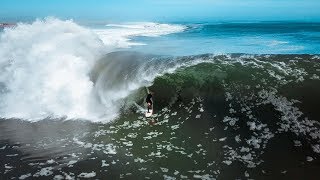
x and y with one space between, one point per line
45 67
87 175
25 176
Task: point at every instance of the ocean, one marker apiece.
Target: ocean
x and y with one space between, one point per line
232 100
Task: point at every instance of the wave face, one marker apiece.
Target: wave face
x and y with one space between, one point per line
239 74
119 77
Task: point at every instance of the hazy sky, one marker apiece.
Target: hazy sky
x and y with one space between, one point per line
162 10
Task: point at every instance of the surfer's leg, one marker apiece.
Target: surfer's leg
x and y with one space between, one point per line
149 106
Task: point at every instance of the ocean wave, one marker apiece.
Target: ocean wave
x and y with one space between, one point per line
119 35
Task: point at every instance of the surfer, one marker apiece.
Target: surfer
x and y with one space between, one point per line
149 101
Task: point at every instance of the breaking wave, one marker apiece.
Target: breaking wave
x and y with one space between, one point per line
46 66
119 35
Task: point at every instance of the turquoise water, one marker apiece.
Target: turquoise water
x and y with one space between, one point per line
252 38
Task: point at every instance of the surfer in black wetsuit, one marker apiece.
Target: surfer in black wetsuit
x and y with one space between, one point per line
149 101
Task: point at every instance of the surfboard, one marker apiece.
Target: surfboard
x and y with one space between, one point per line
149 114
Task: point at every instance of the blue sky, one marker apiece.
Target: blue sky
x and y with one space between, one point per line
162 10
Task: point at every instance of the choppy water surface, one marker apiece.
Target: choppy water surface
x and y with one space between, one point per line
216 117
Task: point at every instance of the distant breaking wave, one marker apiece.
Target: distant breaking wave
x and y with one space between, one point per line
119 35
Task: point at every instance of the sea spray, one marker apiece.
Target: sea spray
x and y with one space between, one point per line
44 70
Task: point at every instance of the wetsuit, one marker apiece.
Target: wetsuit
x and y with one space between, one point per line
148 100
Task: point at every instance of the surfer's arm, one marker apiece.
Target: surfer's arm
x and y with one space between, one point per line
147 90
